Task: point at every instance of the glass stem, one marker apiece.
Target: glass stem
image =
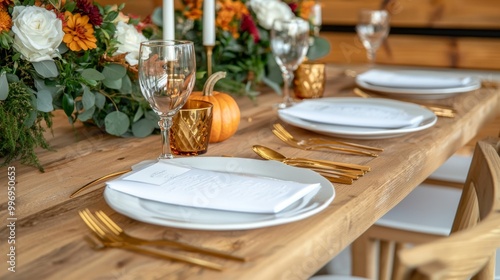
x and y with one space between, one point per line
371 56
287 83
165 123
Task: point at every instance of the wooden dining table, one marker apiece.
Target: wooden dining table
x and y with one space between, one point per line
43 236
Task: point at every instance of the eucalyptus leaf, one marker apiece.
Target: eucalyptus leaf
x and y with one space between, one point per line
100 100
4 86
44 101
68 104
138 114
46 68
40 85
63 48
319 49
116 123
157 16
88 98
113 84
92 74
12 78
143 127
87 114
114 71
152 116
126 85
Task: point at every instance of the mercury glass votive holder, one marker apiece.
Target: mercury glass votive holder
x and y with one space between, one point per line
309 80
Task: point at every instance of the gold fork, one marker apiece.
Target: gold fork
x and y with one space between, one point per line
120 233
110 241
322 141
297 144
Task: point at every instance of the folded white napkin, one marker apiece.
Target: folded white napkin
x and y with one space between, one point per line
352 114
412 79
183 185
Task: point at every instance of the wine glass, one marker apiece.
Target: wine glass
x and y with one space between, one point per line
289 44
167 73
372 29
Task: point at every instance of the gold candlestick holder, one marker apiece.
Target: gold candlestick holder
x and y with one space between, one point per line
209 50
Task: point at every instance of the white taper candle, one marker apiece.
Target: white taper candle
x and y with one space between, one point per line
209 22
168 20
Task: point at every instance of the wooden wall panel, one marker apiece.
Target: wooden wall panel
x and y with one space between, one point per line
420 13
479 53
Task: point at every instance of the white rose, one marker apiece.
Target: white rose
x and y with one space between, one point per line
268 11
129 42
38 33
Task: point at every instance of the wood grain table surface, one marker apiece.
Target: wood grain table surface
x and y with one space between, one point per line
49 234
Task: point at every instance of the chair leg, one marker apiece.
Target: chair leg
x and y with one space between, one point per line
385 259
363 257
398 269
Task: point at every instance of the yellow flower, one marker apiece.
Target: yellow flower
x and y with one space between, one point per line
5 21
229 15
79 33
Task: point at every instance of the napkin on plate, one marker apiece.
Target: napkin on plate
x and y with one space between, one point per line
183 185
412 79
352 114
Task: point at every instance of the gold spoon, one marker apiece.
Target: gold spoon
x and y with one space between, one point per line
270 154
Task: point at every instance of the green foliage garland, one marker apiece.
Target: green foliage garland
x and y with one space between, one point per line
22 127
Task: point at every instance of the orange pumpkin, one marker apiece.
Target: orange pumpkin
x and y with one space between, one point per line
226 112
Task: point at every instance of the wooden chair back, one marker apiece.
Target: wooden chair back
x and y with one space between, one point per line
469 251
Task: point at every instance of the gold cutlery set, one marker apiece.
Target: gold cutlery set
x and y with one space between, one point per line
335 172
107 234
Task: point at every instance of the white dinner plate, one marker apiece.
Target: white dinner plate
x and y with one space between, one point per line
207 219
358 132
423 93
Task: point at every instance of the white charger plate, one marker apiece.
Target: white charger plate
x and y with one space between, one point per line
358 132
423 93
207 219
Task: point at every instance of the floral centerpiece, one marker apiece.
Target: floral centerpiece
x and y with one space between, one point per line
81 57
243 41
71 55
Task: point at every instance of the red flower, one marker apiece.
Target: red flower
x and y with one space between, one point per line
248 25
294 6
85 7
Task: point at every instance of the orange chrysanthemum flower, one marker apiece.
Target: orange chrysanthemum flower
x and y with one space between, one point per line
5 21
79 33
305 8
229 16
193 9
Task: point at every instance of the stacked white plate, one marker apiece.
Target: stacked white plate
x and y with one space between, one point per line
180 216
417 84
359 118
